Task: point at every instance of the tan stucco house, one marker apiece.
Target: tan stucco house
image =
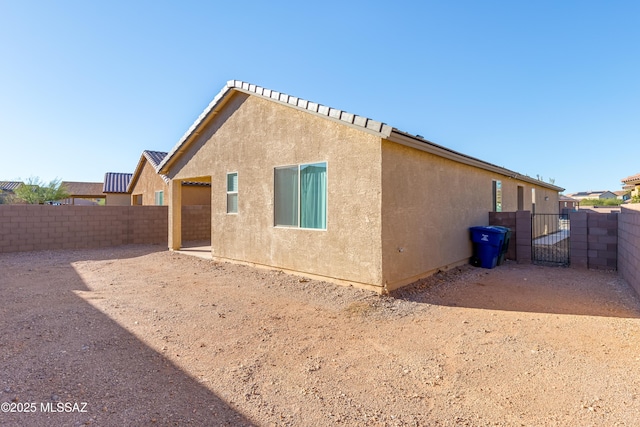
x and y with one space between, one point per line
314 190
632 184
148 187
84 193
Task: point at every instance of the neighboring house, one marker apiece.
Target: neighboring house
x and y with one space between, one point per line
148 187
83 193
593 195
310 189
632 184
568 204
623 195
7 191
115 187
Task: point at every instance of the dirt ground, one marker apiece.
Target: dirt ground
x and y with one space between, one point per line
137 335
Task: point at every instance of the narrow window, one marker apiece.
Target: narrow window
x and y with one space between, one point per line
159 198
497 195
301 196
533 200
520 198
232 192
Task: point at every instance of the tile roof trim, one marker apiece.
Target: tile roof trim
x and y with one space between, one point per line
151 157
113 181
632 178
360 122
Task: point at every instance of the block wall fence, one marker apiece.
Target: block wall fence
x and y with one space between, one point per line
605 241
44 227
629 245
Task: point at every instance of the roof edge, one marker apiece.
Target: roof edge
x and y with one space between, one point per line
360 122
422 144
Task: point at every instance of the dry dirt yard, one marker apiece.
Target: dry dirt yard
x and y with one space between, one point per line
137 336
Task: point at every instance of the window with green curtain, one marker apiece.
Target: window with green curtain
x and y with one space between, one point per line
232 192
159 198
286 196
301 196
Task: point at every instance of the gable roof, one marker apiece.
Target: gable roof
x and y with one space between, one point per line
360 122
116 182
83 189
10 185
154 158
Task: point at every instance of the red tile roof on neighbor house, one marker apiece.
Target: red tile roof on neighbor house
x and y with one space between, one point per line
633 179
116 182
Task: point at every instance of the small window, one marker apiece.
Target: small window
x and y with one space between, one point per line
301 196
497 195
232 192
137 199
159 198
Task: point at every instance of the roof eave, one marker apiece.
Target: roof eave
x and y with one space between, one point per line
422 144
360 122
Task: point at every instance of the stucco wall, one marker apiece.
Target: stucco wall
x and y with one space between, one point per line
195 195
147 184
118 200
252 136
430 202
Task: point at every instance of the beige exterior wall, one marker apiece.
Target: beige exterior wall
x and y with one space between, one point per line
428 205
147 184
150 181
252 136
195 195
118 200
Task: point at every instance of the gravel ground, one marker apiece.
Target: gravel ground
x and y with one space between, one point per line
137 336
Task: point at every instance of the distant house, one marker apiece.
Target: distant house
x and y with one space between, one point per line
307 188
83 193
148 187
568 204
623 195
7 191
115 187
632 183
593 195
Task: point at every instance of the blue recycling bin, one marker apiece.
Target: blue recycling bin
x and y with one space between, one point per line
488 243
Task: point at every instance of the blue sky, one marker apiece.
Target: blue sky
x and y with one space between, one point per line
549 88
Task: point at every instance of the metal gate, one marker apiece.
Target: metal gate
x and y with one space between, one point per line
550 239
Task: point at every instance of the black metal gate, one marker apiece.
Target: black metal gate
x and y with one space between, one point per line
550 239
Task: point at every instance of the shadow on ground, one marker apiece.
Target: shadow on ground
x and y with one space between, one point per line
56 348
528 288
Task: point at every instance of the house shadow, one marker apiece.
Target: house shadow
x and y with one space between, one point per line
528 288
80 367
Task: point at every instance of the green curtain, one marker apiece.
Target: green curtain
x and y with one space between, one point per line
313 196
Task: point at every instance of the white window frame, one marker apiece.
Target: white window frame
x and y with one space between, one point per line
232 193
161 197
299 165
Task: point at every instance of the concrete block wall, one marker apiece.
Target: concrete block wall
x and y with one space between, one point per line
629 245
603 240
594 240
45 227
520 225
196 223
